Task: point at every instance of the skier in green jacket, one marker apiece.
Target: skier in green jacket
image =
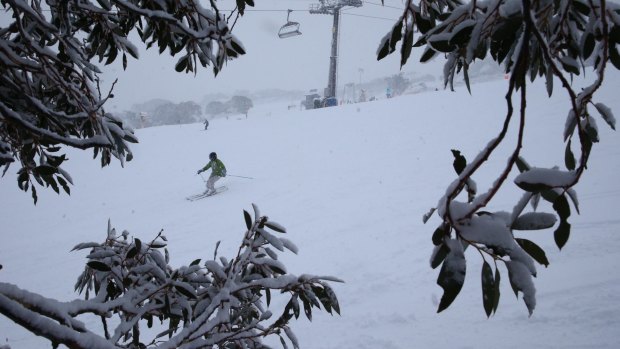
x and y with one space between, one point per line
218 170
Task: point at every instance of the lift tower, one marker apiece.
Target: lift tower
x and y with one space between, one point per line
333 7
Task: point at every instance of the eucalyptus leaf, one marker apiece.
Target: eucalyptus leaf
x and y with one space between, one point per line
534 251
534 221
569 157
607 114
439 255
561 234
560 205
460 162
488 288
496 290
248 219
452 275
100 266
428 54
614 57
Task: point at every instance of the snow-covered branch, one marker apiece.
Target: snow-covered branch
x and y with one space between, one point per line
532 39
49 92
203 304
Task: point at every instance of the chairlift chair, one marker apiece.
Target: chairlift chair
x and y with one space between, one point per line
289 29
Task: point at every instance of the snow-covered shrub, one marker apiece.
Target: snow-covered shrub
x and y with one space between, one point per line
219 302
550 39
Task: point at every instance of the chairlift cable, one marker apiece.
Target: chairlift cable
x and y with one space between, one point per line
374 17
272 10
382 5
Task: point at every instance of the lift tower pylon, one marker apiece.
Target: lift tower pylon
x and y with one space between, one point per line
333 7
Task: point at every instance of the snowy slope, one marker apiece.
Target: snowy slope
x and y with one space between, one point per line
350 184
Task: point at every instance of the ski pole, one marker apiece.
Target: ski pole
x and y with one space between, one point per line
203 179
240 176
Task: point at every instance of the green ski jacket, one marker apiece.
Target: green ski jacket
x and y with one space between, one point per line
217 168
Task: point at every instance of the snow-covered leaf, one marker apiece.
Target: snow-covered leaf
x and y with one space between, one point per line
384 47
159 259
332 296
185 289
535 201
275 226
288 244
534 221
273 240
157 244
521 280
397 34
452 274
607 114
275 265
439 255
571 123
100 254
573 196
549 80
84 245
461 33
540 179
428 215
591 127
216 269
406 47
292 337
570 65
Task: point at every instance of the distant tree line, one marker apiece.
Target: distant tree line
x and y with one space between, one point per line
168 113
237 104
165 114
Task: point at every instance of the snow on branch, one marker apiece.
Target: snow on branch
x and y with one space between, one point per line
205 304
50 94
532 40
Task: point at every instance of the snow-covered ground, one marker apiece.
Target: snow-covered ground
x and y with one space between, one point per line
350 184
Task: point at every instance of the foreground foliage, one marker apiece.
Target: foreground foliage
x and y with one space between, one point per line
50 93
549 39
209 303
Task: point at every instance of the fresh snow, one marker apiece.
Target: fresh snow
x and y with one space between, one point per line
350 184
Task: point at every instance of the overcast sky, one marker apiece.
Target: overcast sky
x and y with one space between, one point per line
296 63
300 62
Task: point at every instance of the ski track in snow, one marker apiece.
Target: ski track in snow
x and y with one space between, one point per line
350 184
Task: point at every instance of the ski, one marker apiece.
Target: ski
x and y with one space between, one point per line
196 197
205 195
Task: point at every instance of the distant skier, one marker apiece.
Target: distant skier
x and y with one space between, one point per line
206 124
218 170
